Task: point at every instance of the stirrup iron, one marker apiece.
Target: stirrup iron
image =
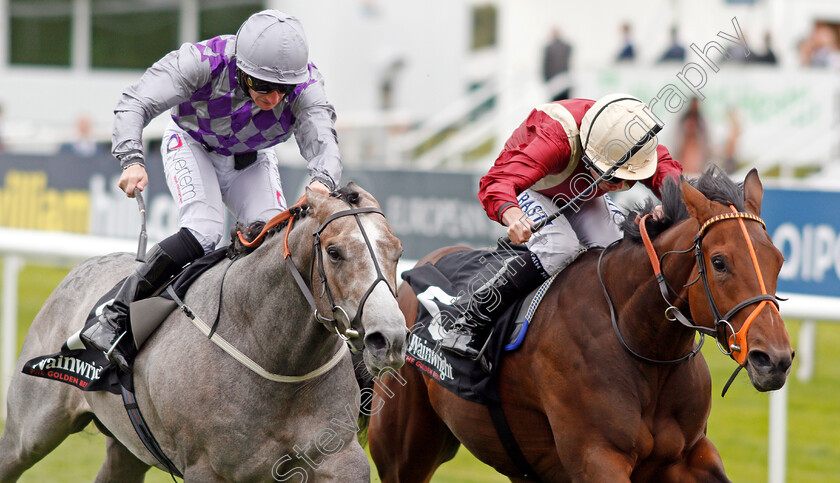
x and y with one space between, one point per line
114 346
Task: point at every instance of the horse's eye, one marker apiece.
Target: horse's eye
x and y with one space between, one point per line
719 264
334 254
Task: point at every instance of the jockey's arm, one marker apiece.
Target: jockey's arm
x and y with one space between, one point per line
168 82
319 187
666 167
315 134
134 176
531 153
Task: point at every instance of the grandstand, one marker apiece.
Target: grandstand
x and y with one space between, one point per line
454 91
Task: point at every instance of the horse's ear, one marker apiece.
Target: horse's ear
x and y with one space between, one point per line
699 207
753 192
313 198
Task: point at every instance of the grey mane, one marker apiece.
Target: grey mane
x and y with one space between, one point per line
237 249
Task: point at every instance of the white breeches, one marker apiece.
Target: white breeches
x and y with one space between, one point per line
561 241
203 183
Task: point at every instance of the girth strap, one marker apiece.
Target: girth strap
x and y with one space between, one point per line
497 415
144 433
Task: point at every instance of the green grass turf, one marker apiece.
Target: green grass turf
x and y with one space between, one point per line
737 426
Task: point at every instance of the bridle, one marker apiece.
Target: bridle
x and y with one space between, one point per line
353 331
737 341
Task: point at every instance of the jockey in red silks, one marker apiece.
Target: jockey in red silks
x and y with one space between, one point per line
231 99
559 152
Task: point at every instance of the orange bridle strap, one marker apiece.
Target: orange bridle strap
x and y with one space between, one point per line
738 340
286 215
654 260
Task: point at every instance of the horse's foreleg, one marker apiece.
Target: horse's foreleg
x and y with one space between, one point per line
408 440
702 464
594 462
41 414
349 465
121 465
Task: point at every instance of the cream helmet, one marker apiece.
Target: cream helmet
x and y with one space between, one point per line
610 128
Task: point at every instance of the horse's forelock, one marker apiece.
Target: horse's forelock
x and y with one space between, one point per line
714 185
349 195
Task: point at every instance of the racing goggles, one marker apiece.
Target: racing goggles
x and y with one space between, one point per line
609 175
265 87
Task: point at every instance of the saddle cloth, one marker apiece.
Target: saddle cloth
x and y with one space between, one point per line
437 287
88 369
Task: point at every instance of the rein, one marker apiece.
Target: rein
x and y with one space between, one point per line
353 334
737 340
210 331
350 335
677 316
353 331
244 359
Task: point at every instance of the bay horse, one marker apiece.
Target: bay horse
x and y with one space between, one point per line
595 397
214 418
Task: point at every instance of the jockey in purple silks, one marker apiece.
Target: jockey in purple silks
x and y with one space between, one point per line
231 99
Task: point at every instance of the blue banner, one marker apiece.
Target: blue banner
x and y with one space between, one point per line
805 226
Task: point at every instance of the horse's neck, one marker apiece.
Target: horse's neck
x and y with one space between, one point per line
267 312
638 299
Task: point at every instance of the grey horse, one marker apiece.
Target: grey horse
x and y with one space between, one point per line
214 418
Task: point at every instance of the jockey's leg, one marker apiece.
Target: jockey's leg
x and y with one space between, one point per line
163 261
190 172
556 244
553 248
254 193
518 276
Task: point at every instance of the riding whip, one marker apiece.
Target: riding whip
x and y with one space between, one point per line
505 240
141 243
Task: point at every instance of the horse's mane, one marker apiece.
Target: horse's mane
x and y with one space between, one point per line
713 183
236 248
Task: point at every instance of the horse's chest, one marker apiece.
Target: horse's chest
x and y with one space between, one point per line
669 436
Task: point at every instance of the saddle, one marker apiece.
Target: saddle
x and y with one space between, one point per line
438 287
88 369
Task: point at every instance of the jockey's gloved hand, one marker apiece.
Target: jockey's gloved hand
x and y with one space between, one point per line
519 225
133 176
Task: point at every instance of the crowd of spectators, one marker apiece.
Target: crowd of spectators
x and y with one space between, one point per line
692 142
821 47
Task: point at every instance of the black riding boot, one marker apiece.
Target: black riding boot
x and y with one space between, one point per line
519 276
163 261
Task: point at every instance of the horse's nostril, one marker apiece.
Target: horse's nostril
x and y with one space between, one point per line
760 359
784 363
375 341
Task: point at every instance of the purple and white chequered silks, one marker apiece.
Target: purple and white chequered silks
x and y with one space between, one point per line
197 84
226 122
